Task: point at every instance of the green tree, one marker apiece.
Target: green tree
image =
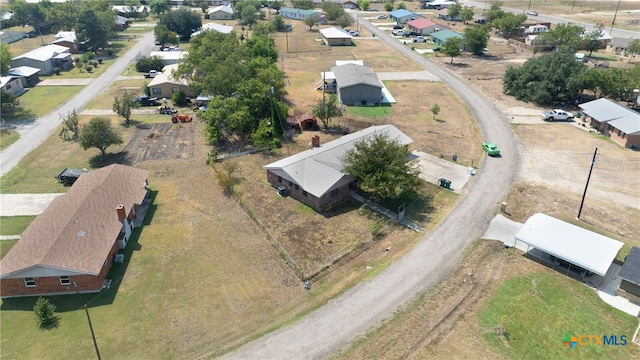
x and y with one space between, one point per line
311 21
278 23
388 6
5 58
45 313
546 79
182 21
276 5
266 135
476 38
591 38
332 11
381 167
179 98
326 109
95 24
249 15
466 14
165 36
562 37
70 127
225 178
203 5
364 4
132 7
510 24
633 49
8 102
123 104
31 14
99 133
435 110
494 12
344 20
303 4
147 63
451 47
159 6
62 16
454 10
401 5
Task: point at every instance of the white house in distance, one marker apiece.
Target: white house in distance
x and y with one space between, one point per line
299 14
169 57
225 29
333 36
222 12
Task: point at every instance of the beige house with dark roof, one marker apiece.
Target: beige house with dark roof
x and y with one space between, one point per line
71 246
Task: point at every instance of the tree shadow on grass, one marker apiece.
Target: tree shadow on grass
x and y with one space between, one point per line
100 161
458 65
50 324
17 116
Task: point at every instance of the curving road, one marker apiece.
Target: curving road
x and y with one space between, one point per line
333 326
32 135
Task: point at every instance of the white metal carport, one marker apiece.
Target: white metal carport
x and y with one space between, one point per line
578 246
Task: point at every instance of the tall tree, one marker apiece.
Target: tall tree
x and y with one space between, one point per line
276 5
476 38
510 24
303 4
159 6
165 36
123 104
454 10
5 58
249 15
633 49
344 20
99 133
382 167
95 24
326 109
494 12
592 38
388 6
364 4
278 23
311 21
132 7
451 47
466 14
401 6
332 11
62 16
562 37
70 126
182 21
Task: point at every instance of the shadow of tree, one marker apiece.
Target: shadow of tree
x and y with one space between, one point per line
99 161
17 115
51 324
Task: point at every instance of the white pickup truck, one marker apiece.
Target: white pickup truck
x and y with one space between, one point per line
556 114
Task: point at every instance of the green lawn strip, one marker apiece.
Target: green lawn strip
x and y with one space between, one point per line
370 111
14 225
537 310
105 100
5 246
8 137
42 100
600 56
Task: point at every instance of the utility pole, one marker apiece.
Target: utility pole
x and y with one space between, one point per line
614 16
593 161
93 335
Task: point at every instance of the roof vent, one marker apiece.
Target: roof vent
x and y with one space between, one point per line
81 233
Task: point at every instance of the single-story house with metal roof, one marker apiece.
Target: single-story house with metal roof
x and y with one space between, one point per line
11 85
334 37
68 39
424 26
630 274
130 11
121 23
357 85
222 12
164 84
580 250
619 123
71 246
12 36
29 75
402 16
169 57
45 58
300 14
442 36
619 45
316 176
225 29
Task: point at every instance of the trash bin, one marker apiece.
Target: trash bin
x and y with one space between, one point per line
447 184
455 157
281 190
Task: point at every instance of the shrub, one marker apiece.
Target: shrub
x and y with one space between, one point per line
110 52
89 68
57 70
100 61
86 57
147 63
45 312
94 64
179 98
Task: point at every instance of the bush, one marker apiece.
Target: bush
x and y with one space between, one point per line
57 70
179 98
110 52
88 56
147 63
100 61
45 312
94 64
145 88
89 68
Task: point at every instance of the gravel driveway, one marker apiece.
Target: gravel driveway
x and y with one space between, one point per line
24 204
333 326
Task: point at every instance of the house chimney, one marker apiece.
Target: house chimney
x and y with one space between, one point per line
122 214
315 141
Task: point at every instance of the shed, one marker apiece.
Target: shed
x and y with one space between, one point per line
442 36
630 274
333 36
29 75
575 245
69 176
357 85
308 122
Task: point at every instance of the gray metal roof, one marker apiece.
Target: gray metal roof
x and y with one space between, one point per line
319 170
352 74
618 116
631 268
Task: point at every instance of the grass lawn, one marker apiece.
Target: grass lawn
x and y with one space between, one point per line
5 246
601 56
8 137
538 309
105 100
41 100
370 111
14 225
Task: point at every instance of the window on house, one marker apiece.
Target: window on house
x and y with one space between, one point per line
175 89
335 192
297 187
290 183
8 86
304 193
29 282
156 91
621 134
64 280
279 179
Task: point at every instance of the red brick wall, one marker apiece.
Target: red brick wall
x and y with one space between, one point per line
314 202
51 284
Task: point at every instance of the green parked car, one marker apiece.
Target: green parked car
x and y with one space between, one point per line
491 149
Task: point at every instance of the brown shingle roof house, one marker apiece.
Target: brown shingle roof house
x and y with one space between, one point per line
71 246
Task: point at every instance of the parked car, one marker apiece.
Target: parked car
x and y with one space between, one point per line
398 27
411 33
556 114
397 32
437 48
419 39
533 13
145 100
382 16
491 149
151 74
354 33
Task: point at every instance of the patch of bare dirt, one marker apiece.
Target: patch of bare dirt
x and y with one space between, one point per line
160 142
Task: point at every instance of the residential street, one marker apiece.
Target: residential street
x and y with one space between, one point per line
333 326
34 134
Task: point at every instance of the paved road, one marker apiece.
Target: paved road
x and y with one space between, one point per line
333 326
31 136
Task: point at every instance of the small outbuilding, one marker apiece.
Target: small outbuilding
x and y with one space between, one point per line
630 274
28 75
308 122
335 37
69 176
357 85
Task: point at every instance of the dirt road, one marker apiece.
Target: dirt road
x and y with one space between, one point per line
328 329
33 135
